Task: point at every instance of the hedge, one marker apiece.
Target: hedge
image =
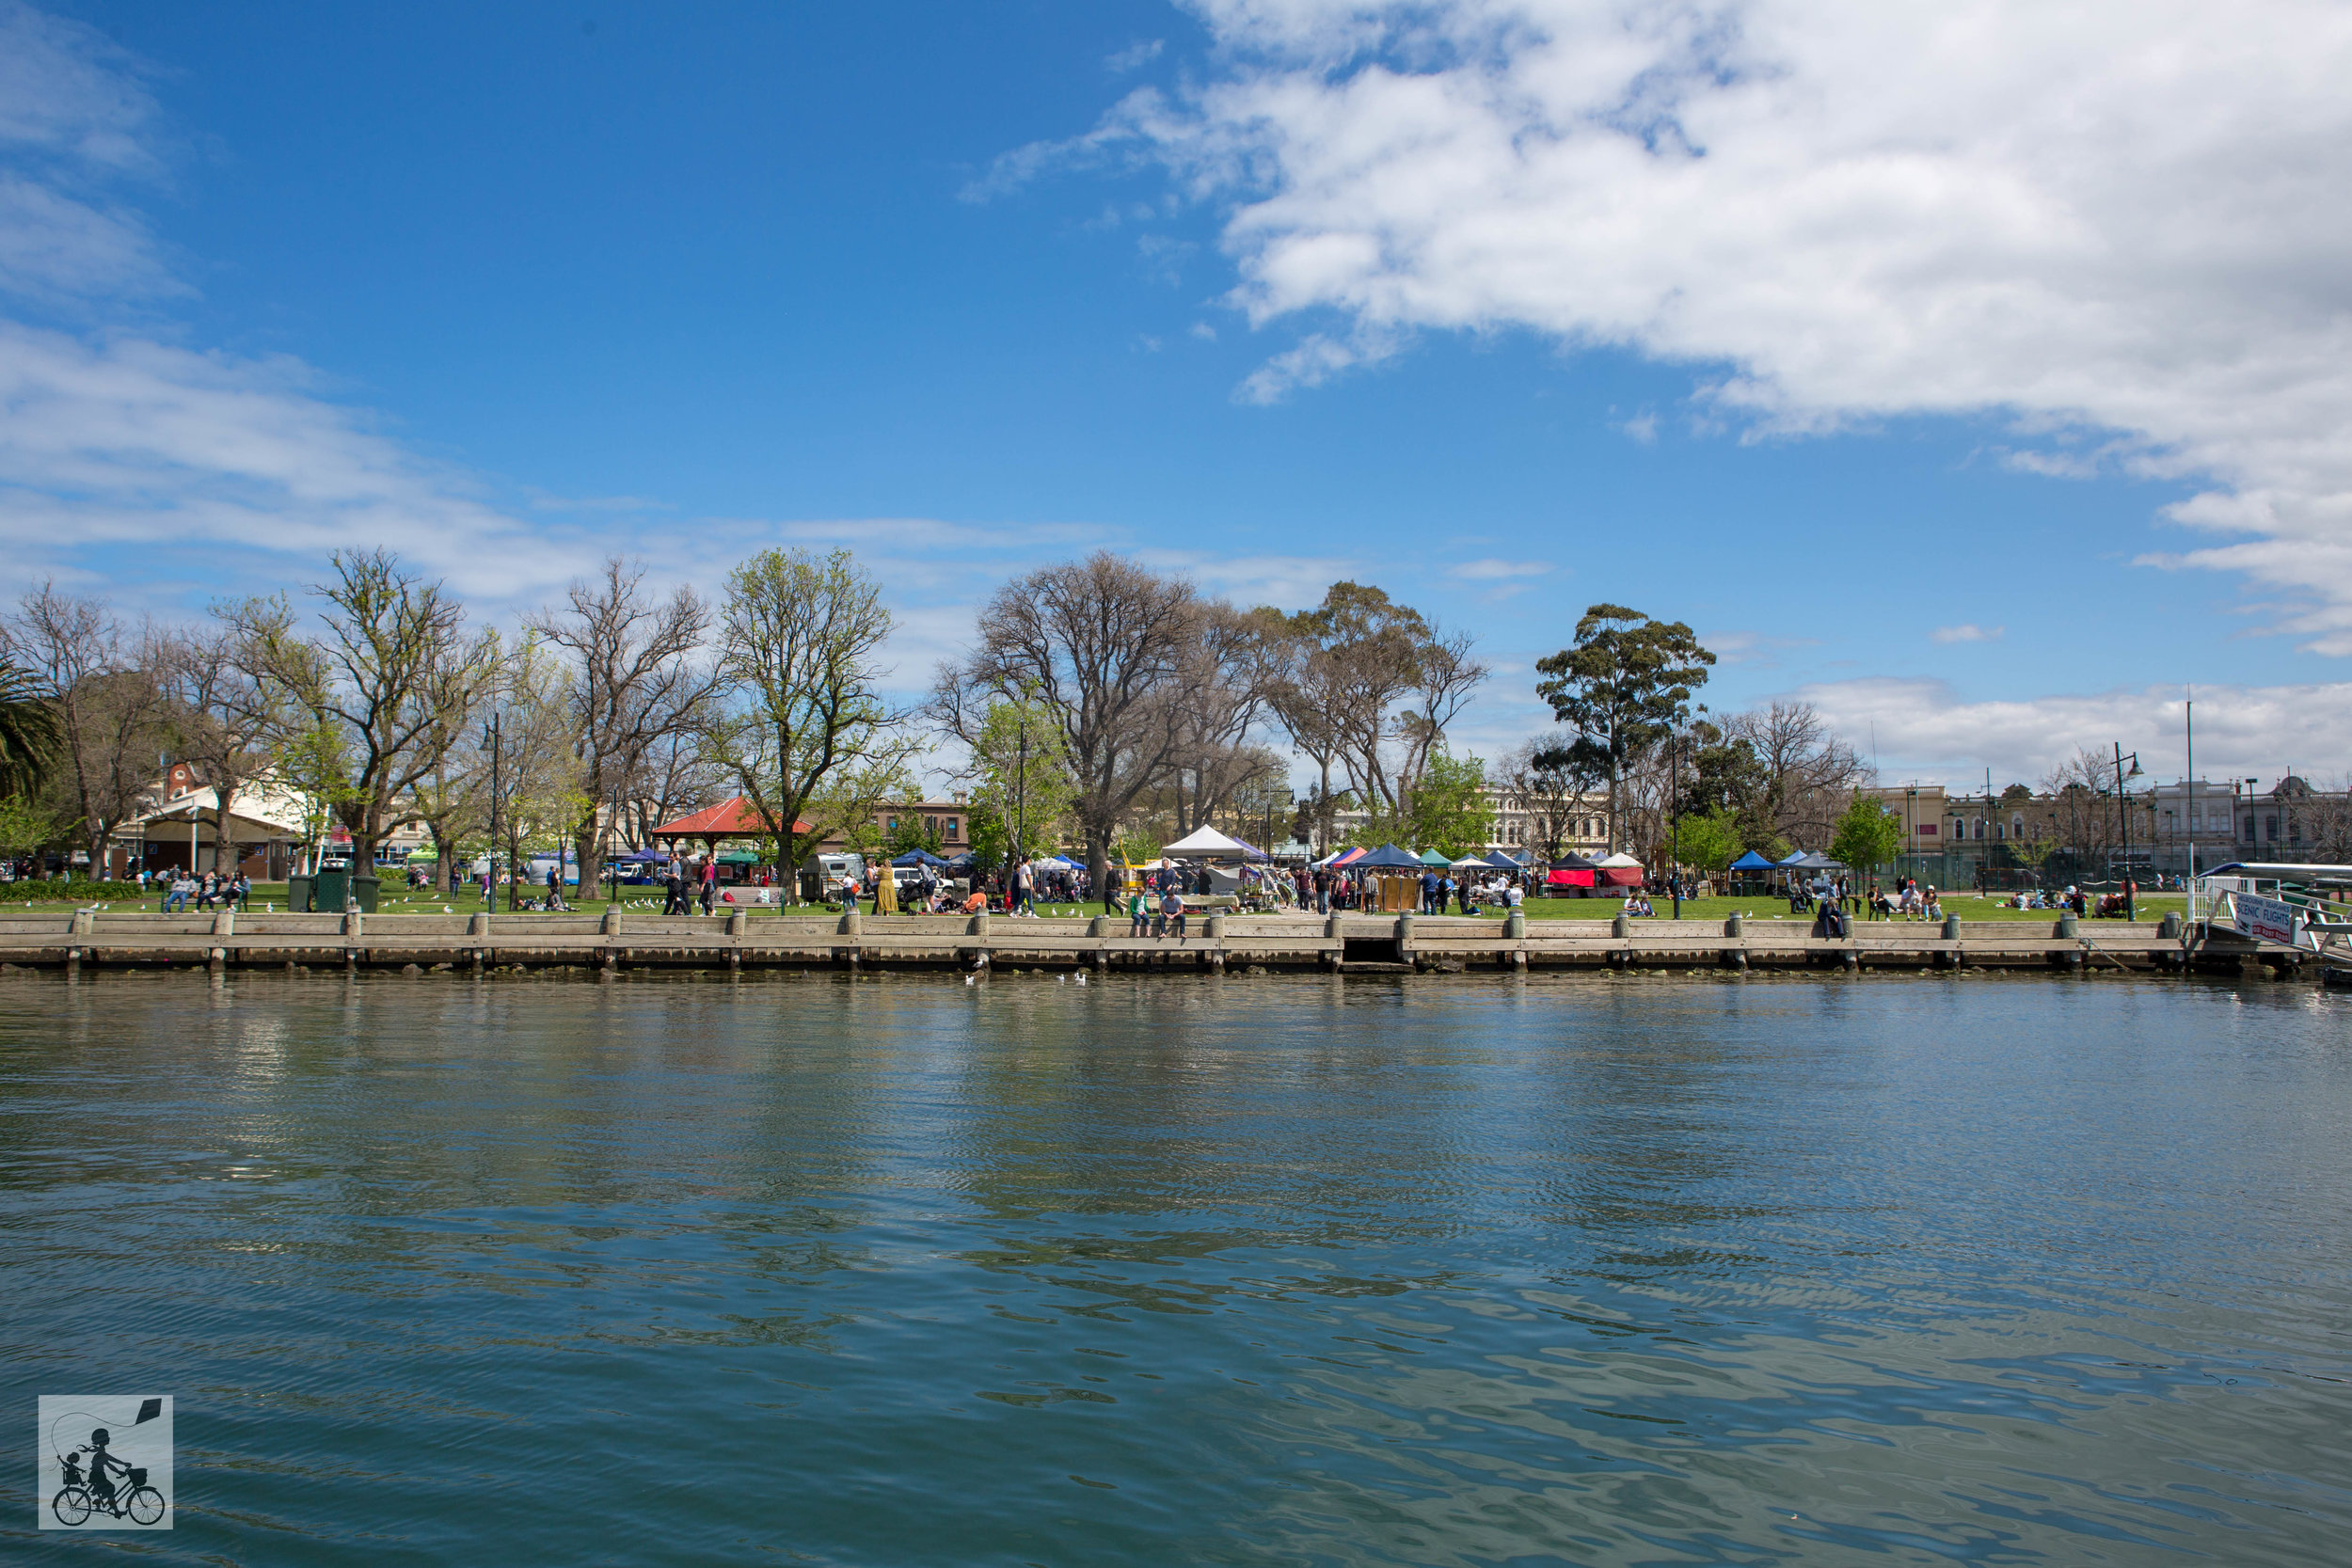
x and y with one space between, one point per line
55 890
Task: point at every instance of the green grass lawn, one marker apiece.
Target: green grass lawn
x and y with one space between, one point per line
2151 907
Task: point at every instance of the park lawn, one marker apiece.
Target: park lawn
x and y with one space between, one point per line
1966 906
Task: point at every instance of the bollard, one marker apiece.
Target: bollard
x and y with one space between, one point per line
1731 923
352 919
853 924
2065 925
1621 927
1330 926
611 920
976 926
477 925
1514 926
735 921
1216 926
225 923
1099 927
1952 927
2170 929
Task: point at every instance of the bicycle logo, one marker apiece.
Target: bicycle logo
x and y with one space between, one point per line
105 1462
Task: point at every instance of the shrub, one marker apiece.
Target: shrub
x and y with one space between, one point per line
46 890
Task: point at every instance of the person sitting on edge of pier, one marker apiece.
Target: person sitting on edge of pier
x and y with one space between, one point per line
1171 914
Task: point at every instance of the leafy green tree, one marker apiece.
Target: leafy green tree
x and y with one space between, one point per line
915 830
1867 834
1021 770
804 729
1622 686
1448 810
1710 840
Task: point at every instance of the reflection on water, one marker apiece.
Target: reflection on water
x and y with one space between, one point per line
1241 1272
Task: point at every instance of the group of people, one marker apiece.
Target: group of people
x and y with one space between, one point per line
210 890
1907 901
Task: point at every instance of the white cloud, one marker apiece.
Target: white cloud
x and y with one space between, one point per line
1966 633
1921 729
126 442
1641 427
1135 55
1493 570
2120 219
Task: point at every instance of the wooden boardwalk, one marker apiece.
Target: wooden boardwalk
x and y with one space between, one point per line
613 942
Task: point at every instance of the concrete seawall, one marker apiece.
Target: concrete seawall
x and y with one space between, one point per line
611 942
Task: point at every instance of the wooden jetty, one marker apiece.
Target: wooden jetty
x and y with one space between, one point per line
613 942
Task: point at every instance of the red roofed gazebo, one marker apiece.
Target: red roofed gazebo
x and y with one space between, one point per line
735 818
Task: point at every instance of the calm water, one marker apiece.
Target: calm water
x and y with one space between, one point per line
1446 1272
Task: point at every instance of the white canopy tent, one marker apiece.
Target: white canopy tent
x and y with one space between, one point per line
1209 842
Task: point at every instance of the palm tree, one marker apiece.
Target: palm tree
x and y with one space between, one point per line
28 729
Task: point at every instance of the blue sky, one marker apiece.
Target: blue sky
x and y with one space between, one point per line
973 288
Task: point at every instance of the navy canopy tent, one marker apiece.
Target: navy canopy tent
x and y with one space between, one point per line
1753 862
1387 858
1501 861
918 857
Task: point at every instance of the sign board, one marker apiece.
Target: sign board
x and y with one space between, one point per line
2263 919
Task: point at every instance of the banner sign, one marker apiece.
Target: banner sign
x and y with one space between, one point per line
2264 918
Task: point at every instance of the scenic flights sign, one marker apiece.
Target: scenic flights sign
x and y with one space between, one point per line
2263 919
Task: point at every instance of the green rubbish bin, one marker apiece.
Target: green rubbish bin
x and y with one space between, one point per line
299 895
331 889
363 887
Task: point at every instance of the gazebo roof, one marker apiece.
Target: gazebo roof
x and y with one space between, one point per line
736 818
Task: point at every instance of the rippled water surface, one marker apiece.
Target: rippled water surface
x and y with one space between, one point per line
1263 1270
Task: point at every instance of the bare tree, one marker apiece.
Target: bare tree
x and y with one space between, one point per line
369 710
1808 774
637 682
2326 819
111 711
1220 699
1100 641
677 773
1545 779
1370 684
220 718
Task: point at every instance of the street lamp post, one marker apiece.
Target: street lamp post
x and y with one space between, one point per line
492 736
2123 815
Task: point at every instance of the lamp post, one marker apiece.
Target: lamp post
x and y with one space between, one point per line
492 736
2123 815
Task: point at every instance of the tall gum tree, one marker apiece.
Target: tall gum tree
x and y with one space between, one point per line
1622 685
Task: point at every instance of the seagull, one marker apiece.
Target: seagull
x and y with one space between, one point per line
1082 979
971 979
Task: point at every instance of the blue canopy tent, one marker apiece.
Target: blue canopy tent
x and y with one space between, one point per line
1387 858
1753 862
918 857
1501 861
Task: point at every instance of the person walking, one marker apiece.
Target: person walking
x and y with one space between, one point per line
710 882
1110 890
